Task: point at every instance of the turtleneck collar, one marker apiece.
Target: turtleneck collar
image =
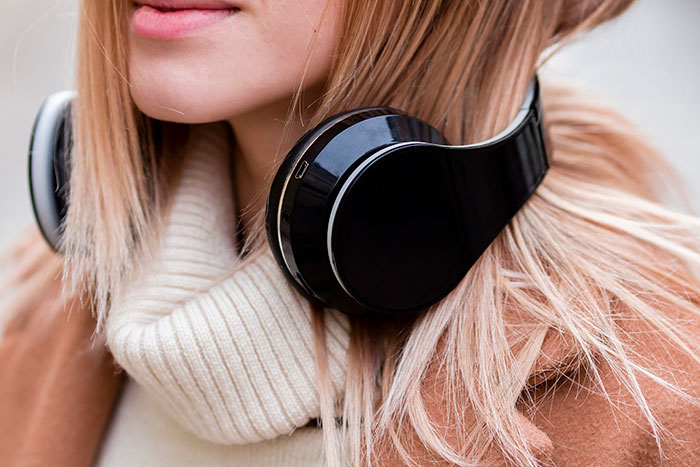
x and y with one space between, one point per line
224 345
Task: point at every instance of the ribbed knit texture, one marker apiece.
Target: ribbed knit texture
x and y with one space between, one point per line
227 351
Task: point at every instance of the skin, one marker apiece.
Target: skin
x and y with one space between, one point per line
244 70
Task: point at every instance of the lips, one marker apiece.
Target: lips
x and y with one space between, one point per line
175 19
187 4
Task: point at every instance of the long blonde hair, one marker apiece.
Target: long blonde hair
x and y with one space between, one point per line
593 244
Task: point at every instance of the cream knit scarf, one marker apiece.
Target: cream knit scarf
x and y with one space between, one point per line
229 355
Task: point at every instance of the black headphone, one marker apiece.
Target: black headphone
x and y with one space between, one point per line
371 211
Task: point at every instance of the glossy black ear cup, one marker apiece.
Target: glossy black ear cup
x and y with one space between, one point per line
374 211
48 154
395 234
302 194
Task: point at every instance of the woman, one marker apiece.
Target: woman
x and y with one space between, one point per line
573 339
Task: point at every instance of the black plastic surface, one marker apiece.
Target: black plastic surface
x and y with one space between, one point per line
387 217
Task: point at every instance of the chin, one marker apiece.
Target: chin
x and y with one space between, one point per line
168 105
233 68
171 93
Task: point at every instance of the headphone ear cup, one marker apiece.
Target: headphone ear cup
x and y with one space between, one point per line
49 149
395 235
308 183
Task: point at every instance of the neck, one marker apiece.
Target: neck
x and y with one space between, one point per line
262 137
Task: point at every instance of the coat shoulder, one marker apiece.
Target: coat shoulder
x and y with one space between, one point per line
598 421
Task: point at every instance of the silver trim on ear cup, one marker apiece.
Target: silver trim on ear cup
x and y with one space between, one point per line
341 193
42 175
289 177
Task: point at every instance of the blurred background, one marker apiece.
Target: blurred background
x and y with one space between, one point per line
646 63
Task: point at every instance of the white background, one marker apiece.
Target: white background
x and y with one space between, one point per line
646 63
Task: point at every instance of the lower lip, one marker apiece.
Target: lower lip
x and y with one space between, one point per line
152 23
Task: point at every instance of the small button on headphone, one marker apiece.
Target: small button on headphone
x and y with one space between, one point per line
372 211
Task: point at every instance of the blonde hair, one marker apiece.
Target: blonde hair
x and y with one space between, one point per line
593 245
